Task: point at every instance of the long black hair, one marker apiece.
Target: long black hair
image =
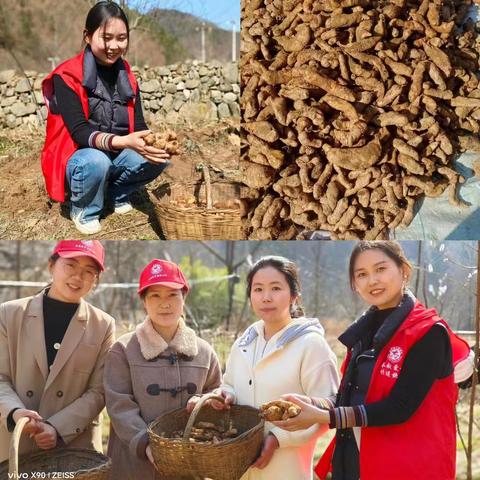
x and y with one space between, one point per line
100 14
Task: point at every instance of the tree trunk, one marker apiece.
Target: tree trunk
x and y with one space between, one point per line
230 255
18 267
316 293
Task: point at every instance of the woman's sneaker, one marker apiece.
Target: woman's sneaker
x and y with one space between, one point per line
87 228
123 208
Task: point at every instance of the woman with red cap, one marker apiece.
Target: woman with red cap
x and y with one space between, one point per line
52 352
395 408
154 369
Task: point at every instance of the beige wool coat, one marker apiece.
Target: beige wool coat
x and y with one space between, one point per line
138 366
70 394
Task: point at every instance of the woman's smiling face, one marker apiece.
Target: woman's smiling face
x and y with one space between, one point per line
378 279
72 278
109 42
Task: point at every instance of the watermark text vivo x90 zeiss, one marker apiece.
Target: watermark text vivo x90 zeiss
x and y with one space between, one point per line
49 475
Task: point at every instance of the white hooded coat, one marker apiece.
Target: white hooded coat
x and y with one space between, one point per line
296 359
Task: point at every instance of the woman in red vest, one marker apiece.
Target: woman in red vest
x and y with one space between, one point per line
395 409
95 126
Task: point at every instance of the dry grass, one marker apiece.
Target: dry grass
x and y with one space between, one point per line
27 213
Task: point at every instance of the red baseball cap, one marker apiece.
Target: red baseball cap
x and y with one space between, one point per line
81 248
161 272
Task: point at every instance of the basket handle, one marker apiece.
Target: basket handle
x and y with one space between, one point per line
208 185
14 446
198 406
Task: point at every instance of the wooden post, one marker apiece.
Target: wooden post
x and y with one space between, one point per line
475 375
425 278
419 272
229 257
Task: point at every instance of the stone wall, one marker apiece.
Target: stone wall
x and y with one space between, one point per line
187 92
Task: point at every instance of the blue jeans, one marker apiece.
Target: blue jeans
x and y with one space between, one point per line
91 173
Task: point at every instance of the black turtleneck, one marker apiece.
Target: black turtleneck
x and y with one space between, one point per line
378 317
56 319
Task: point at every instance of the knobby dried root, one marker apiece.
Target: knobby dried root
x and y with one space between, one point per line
164 141
353 110
279 410
205 432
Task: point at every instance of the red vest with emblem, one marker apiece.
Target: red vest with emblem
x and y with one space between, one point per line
423 446
59 145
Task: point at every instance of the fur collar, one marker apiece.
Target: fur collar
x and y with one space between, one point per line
152 343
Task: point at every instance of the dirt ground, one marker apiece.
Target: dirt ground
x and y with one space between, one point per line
27 213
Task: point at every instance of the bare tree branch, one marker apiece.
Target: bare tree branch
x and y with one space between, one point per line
213 251
241 262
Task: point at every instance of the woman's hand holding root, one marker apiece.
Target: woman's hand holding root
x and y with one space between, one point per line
309 415
135 141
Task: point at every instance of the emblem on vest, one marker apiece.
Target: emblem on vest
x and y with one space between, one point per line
389 368
395 354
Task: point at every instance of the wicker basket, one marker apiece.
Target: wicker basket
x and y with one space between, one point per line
226 460
79 463
200 220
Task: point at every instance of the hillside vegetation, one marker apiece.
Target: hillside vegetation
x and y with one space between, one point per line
36 31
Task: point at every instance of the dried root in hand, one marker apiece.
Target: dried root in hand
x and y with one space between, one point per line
164 141
279 410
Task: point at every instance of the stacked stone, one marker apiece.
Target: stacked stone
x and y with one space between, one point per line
17 104
191 91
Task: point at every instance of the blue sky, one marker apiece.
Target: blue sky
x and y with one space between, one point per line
220 12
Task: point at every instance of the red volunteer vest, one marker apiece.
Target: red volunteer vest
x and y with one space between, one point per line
423 446
59 145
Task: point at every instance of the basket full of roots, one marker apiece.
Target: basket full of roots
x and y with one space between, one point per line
206 208
215 444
